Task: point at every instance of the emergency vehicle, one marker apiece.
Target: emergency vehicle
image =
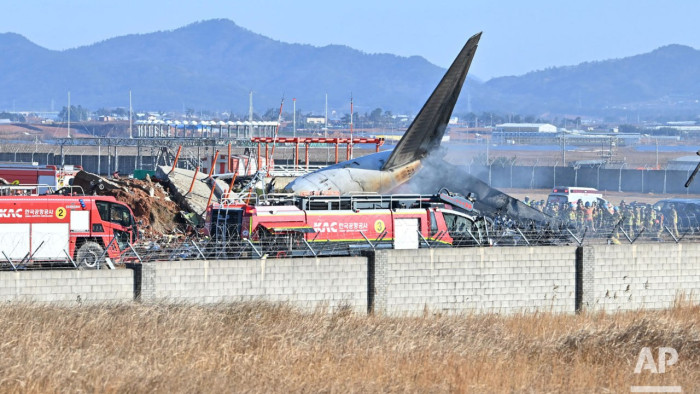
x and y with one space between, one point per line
33 174
355 222
51 228
569 194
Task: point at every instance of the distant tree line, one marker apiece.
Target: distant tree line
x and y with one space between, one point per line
13 117
77 114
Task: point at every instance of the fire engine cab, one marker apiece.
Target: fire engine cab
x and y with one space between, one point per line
50 228
355 221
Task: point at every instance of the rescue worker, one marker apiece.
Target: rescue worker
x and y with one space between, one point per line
659 222
579 213
616 216
637 219
588 216
628 221
609 216
613 219
572 213
540 206
564 209
554 210
650 219
673 220
598 215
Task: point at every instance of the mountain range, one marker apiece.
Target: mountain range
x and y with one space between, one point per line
213 65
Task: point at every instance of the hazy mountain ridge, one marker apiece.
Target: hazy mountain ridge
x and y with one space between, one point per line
643 81
212 65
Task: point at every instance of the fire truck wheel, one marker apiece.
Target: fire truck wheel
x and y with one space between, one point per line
88 255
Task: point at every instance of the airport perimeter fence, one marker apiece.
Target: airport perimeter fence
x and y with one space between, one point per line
622 179
293 245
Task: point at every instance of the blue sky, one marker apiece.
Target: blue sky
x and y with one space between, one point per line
519 36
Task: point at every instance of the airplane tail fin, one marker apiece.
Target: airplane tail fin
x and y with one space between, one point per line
428 128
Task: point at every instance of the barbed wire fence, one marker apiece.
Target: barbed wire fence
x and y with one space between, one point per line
263 245
291 245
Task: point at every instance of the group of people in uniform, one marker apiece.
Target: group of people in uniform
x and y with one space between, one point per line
603 217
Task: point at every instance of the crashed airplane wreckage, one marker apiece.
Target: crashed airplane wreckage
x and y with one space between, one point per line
383 172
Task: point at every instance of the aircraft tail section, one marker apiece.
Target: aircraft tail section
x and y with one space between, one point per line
428 128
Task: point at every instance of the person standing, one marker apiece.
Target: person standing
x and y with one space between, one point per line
588 216
673 220
628 220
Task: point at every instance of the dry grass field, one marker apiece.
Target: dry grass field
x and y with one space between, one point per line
271 348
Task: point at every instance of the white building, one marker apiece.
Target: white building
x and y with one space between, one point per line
316 120
526 128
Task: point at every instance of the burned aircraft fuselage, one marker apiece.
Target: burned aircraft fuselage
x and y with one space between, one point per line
363 174
381 172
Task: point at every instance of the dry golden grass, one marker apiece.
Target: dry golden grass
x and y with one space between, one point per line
261 347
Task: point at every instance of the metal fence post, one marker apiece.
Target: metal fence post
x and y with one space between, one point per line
511 173
619 179
489 164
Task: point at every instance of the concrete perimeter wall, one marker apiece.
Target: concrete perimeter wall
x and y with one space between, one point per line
644 276
398 282
305 283
67 286
494 280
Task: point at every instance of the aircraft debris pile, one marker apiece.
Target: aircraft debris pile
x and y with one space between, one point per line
148 199
191 189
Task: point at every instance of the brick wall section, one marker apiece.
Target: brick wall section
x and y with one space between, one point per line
493 280
397 282
305 283
67 286
379 292
649 276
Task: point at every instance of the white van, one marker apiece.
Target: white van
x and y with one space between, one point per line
568 194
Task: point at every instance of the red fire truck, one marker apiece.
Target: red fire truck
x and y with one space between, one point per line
52 228
398 221
34 174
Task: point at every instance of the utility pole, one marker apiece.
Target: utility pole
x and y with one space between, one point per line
657 152
294 123
325 122
69 114
563 149
487 150
351 109
250 113
131 135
